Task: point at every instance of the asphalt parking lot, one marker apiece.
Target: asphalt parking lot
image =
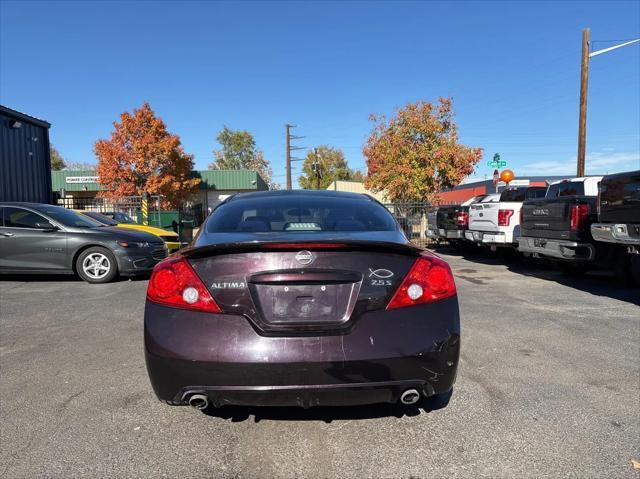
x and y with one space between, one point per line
548 386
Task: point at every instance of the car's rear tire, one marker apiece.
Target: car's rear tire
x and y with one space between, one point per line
572 269
622 267
635 268
96 265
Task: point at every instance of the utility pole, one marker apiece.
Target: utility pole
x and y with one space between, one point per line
316 164
584 81
288 149
288 153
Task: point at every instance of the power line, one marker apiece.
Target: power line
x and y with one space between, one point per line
288 149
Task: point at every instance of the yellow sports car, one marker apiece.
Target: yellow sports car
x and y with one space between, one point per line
123 220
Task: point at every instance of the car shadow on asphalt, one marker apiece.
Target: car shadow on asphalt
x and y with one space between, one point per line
326 414
596 282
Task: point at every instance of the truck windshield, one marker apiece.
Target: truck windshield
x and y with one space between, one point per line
566 188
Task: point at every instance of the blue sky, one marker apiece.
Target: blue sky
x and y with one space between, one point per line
511 67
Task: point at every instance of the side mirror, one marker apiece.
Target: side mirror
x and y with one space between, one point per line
46 226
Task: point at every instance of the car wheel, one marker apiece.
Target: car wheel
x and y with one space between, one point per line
97 265
635 268
572 269
622 268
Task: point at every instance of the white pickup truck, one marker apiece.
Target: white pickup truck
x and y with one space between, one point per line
495 221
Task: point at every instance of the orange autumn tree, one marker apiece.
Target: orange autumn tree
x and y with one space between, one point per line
416 154
142 156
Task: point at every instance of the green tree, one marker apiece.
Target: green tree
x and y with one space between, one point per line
416 154
57 161
239 152
332 166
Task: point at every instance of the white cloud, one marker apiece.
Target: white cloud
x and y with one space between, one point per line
602 162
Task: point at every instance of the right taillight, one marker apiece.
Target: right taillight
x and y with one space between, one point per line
462 219
504 217
430 279
578 214
174 283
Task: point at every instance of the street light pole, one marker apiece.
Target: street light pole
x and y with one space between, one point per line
584 81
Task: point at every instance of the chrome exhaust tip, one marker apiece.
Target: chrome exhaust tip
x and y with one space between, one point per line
199 401
410 396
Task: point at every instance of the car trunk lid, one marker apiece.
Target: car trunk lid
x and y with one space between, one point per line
302 286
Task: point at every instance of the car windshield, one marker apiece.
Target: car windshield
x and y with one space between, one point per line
100 218
300 214
69 218
123 218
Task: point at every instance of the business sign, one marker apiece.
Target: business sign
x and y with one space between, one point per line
515 183
82 179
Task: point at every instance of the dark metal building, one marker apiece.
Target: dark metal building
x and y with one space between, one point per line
25 160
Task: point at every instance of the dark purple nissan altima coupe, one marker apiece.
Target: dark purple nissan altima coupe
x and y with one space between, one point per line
301 298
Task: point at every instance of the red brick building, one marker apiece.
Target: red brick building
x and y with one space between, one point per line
462 193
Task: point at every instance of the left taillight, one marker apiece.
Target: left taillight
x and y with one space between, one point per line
430 279
174 283
578 216
504 217
462 218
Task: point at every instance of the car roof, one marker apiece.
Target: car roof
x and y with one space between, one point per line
33 206
581 179
299 194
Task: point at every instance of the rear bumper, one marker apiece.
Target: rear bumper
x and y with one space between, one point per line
613 233
489 237
451 234
223 356
567 250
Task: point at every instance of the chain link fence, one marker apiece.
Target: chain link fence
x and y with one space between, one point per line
182 221
418 221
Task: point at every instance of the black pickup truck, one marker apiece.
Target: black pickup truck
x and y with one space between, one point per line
618 223
453 220
559 225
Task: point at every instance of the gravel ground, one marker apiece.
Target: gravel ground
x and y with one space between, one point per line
548 386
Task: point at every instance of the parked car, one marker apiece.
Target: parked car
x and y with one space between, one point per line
170 238
41 238
453 220
559 225
618 226
496 222
303 298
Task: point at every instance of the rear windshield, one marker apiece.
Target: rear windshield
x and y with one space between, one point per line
523 193
514 194
296 214
566 188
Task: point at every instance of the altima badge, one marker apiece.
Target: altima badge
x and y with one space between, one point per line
304 257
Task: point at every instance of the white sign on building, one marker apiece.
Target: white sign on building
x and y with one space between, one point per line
82 179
